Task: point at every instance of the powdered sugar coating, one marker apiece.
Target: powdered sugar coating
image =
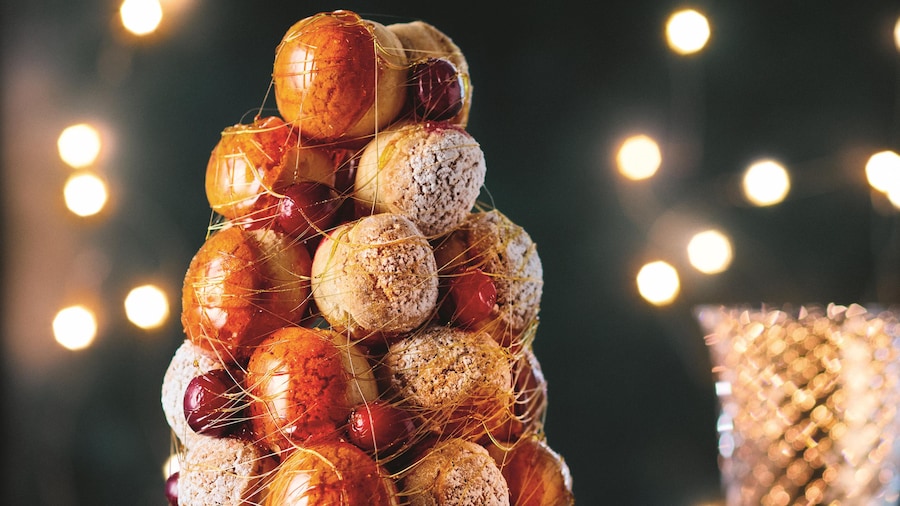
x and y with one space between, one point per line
443 367
188 362
376 275
456 473
493 243
225 472
459 382
429 172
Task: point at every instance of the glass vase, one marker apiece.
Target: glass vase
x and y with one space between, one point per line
809 402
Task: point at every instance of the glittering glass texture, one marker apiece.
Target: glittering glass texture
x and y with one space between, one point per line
809 401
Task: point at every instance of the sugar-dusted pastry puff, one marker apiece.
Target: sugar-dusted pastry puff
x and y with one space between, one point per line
423 41
491 242
536 475
455 472
375 277
242 285
303 383
430 172
188 362
338 77
458 381
224 471
531 399
331 472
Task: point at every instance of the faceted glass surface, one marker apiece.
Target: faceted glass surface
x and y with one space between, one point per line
809 399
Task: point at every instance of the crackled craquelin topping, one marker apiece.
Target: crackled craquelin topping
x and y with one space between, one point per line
456 472
223 471
444 367
431 173
377 274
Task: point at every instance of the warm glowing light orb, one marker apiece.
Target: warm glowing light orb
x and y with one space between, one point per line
79 145
75 327
141 17
687 31
85 194
638 157
883 170
766 183
147 306
710 252
893 195
658 283
897 34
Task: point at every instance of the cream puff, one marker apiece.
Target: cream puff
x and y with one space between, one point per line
423 41
490 242
252 163
338 77
303 384
531 399
455 472
430 172
331 472
536 475
459 382
188 362
375 278
242 285
224 471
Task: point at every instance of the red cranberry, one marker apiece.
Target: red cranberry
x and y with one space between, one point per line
212 403
306 209
379 427
438 89
172 489
471 296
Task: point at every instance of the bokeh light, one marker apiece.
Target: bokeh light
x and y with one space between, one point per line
766 183
658 283
893 195
85 194
883 170
147 306
687 31
79 145
141 17
75 327
897 34
710 251
638 157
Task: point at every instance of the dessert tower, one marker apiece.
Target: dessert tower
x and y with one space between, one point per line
358 325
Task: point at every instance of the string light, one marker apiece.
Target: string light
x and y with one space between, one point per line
79 145
710 252
766 183
883 171
639 157
687 31
141 17
658 283
75 327
893 195
897 34
147 306
85 194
